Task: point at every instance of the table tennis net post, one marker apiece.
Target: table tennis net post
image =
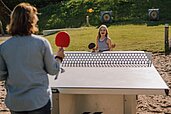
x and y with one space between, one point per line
107 59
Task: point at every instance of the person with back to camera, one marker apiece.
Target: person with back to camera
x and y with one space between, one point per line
25 62
103 41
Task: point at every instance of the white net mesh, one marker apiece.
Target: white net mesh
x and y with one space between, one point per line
113 59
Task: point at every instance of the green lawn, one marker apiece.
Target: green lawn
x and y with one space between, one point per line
126 37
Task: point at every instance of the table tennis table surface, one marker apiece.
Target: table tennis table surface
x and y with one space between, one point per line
109 80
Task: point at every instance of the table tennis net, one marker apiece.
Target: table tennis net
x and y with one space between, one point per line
107 60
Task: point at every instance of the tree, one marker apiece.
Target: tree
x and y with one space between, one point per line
4 14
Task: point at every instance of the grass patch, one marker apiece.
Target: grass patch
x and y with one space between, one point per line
127 37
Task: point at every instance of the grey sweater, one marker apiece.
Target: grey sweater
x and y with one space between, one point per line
25 62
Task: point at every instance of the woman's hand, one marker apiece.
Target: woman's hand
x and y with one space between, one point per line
60 54
113 45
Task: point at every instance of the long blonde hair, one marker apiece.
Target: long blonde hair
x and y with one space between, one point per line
23 20
107 32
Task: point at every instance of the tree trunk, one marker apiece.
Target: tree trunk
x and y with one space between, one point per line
4 15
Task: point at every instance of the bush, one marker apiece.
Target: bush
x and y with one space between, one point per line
72 13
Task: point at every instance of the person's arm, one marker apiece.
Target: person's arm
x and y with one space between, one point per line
3 68
97 45
60 55
109 42
52 66
111 46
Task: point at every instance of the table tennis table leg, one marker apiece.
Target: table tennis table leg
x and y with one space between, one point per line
91 103
72 104
55 102
130 104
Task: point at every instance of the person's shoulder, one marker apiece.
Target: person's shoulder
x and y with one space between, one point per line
109 38
42 40
5 42
38 37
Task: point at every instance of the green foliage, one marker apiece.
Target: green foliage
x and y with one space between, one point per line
38 3
49 17
72 13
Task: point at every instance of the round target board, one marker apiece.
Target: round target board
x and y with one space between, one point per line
106 17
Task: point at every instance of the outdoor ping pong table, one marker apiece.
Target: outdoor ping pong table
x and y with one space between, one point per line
105 83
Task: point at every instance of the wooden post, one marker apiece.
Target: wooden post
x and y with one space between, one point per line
87 20
166 39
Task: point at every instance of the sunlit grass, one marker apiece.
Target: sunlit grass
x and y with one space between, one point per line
79 39
126 37
138 37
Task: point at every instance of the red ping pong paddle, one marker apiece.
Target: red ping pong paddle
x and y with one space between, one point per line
62 39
